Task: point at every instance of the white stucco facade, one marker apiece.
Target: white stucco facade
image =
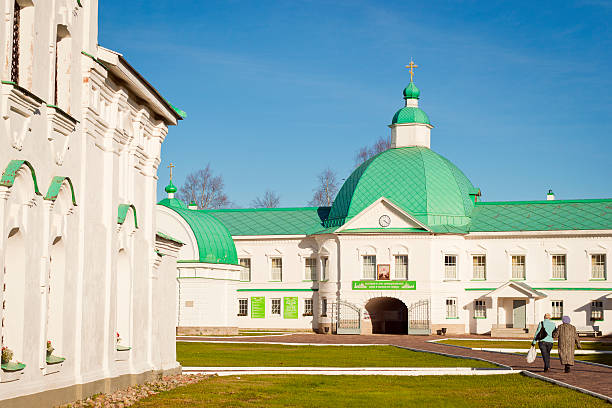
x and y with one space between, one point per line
81 262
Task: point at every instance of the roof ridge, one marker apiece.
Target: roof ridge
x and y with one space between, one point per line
259 209
552 202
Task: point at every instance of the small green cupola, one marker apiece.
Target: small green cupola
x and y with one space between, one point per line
171 188
411 91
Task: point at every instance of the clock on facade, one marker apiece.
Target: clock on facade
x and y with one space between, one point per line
384 221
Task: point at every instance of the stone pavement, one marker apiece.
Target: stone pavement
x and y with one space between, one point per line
590 377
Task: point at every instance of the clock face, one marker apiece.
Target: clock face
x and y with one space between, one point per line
384 221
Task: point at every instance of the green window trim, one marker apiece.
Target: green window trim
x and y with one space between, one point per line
558 279
63 113
122 348
54 188
55 360
598 280
452 318
477 280
480 318
122 212
308 280
95 60
12 367
518 280
8 177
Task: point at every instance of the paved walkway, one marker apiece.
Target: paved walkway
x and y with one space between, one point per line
591 377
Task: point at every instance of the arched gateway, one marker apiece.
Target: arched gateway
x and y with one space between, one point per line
388 315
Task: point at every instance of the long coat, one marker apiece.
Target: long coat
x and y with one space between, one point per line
568 339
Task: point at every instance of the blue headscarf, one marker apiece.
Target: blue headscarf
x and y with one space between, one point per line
566 319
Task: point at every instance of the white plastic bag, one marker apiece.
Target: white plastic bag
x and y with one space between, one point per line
531 354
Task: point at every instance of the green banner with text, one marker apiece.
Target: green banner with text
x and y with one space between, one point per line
258 307
384 285
290 308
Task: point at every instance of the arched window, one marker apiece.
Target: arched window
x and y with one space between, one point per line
124 298
13 291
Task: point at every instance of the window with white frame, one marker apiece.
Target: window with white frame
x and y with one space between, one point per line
597 310
556 309
480 309
479 267
245 273
401 266
277 269
310 269
308 307
243 307
518 266
451 308
559 267
324 268
324 307
369 267
450 267
275 307
598 266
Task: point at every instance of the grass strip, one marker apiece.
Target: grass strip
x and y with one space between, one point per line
272 355
371 391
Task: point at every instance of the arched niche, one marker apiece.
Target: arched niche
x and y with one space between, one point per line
124 297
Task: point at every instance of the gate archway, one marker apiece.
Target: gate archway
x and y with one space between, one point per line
388 315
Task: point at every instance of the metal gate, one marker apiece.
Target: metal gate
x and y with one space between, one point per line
348 318
419 318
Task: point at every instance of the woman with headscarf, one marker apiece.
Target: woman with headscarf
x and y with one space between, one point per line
568 339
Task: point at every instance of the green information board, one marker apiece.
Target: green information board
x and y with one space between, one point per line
384 285
290 308
258 307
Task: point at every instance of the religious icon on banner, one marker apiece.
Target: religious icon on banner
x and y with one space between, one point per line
384 272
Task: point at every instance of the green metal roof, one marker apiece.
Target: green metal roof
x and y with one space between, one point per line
172 203
10 173
215 244
272 221
418 180
168 237
55 187
410 114
411 91
122 212
554 215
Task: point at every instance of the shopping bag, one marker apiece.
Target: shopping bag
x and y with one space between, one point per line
531 354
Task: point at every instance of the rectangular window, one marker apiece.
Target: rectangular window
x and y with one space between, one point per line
479 267
450 267
451 308
556 309
310 269
598 266
307 307
15 45
518 266
323 307
243 307
558 267
401 266
245 273
597 310
277 269
275 308
480 309
324 268
369 267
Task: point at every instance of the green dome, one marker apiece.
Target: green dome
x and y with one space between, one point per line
411 91
215 243
170 188
418 180
410 114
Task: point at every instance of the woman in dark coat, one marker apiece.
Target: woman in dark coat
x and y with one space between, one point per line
568 339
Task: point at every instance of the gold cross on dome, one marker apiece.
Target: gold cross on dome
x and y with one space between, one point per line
411 66
171 166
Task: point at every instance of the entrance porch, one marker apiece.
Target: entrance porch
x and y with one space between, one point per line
515 307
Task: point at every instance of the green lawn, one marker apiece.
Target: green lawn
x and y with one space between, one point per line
371 391
269 355
520 344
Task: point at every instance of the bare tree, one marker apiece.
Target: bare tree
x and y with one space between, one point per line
327 188
269 200
366 152
206 189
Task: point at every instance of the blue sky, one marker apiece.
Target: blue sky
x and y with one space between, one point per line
520 93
